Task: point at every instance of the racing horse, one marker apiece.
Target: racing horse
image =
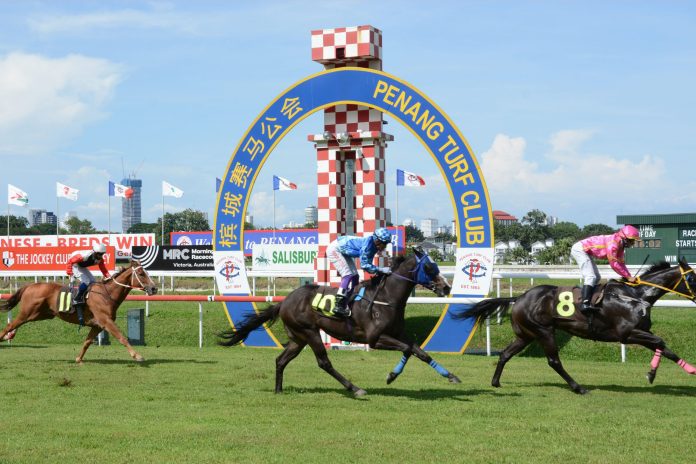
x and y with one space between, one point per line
40 301
624 317
377 319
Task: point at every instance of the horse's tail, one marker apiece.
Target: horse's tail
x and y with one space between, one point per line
485 308
249 324
13 300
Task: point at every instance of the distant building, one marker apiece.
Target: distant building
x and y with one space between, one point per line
131 207
311 215
249 219
428 227
502 247
503 218
66 216
408 222
41 216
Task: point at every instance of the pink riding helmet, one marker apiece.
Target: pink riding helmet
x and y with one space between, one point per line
630 232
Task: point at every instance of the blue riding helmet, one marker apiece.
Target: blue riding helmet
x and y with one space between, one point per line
383 235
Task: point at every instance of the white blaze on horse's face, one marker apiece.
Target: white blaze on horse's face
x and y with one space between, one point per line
441 286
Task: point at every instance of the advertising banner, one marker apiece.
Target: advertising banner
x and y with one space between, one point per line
268 237
473 271
44 259
122 242
230 273
284 257
175 258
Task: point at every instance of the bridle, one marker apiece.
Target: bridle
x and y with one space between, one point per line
687 276
416 271
133 274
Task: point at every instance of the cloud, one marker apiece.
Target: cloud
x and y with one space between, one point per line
569 182
47 101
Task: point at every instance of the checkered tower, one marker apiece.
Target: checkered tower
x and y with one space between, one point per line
351 149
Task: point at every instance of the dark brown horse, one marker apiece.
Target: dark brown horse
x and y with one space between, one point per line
624 317
377 319
40 301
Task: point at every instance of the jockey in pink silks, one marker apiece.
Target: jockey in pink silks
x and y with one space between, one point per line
609 247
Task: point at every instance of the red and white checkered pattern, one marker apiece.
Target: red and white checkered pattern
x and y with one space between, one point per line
358 46
350 131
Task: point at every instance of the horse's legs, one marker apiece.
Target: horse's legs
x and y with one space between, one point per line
314 340
548 343
387 342
93 332
511 350
399 368
290 352
657 344
113 329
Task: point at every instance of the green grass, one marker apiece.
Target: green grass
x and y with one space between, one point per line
217 405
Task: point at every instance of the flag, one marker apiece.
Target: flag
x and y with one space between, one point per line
280 183
218 183
118 190
168 190
16 196
408 179
63 190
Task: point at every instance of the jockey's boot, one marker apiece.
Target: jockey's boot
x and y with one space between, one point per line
341 308
79 301
587 309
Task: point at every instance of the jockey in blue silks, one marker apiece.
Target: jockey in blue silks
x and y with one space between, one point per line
342 251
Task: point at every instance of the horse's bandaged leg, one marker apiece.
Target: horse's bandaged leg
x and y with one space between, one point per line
656 359
440 370
400 367
687 367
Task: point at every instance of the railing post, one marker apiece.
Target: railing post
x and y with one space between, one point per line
200 325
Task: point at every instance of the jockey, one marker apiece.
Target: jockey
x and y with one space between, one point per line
610 247
341 253
79 262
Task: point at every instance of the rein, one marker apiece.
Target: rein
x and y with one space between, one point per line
131 286
691 296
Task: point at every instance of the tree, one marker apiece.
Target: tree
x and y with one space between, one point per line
75 225
535 219
597 229
517 255
18 225
558 253
188 220
143 228
563 230
414 235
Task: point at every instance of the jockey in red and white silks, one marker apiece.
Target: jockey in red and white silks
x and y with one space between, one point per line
79 262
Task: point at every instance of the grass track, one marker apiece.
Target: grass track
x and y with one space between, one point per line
217 405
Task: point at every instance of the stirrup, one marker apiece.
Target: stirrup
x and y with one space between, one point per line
341 311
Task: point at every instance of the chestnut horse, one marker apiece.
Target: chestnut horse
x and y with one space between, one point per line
377 319
624 317
39 301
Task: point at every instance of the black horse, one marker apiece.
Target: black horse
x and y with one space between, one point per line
624 317
377 318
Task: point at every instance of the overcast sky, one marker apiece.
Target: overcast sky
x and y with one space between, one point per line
584 110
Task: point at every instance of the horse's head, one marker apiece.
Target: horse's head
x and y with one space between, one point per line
140 275
687 283
427 274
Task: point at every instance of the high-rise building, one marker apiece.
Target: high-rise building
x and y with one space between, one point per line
311 215
132 207
41 216
428 227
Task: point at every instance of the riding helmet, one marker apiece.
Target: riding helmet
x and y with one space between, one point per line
99 248
630 232
383 235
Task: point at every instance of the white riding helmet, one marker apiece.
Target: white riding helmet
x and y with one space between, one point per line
99 248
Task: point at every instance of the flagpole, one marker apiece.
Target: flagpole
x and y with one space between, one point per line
274 224
57 219
162 238
396 217
8 223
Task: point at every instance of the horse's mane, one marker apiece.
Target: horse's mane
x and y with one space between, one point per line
656 267
377 278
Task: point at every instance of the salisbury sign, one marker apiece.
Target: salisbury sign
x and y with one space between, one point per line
284 257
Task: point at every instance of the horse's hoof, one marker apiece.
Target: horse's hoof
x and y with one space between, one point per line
78 361
581 391
391 377
495 383
453 378
359 392
139 358
650 376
